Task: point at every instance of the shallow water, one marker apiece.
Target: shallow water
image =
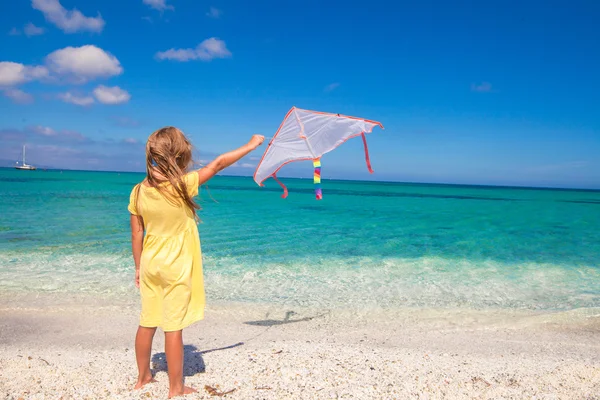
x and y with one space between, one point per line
366 244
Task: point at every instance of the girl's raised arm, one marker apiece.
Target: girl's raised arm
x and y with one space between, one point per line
225 160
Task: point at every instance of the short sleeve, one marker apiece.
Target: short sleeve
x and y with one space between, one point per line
132 207
191 183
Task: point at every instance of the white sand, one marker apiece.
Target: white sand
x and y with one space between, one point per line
54 351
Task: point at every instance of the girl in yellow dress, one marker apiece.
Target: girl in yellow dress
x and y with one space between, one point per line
168 259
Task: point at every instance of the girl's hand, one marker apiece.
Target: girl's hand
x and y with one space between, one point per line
256 141
137 278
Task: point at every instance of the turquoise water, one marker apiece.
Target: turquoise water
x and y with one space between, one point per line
367 244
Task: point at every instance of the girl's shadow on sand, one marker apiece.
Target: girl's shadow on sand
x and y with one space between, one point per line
193 363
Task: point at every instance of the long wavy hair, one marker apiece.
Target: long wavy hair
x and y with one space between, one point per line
168 157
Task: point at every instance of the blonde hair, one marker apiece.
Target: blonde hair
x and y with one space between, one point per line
169 153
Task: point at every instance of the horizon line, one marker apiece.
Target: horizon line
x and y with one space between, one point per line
480 185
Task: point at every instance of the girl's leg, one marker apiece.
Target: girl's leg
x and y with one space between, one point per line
143 348
174 351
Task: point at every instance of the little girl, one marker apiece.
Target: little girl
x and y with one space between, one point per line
168 259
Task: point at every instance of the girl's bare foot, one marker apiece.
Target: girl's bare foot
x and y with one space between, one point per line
143 381
185 390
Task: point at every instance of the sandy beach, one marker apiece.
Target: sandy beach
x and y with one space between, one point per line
54 350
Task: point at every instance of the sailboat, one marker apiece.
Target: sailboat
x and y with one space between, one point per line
23 164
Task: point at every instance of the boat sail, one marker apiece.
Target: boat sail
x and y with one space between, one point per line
23 164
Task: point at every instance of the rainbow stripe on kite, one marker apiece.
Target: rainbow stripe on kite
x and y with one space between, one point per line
317 178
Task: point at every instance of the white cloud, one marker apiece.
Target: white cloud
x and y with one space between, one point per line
81 64
76 65
159 5
69 97
331 87
205 51
37 72
214 13
43 130
111 95
12 73
104 95
243 165
18 96
29 29
32 30
177 54
130 141
70 21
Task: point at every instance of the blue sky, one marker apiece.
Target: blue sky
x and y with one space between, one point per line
492 92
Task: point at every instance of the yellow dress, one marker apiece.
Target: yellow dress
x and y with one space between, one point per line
171 279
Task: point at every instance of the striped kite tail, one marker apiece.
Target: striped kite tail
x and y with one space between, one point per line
317 178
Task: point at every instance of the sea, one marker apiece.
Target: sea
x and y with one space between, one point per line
364 245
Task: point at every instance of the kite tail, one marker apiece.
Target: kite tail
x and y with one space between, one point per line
367 152
317 178
285 191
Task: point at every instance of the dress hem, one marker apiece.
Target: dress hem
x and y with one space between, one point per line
172 328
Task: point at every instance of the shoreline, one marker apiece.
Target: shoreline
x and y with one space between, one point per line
81 349
11 301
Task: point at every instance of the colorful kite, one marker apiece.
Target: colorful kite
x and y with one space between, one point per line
307 135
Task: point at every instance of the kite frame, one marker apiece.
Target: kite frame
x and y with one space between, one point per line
273 175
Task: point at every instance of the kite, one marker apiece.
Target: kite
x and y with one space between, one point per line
307 135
